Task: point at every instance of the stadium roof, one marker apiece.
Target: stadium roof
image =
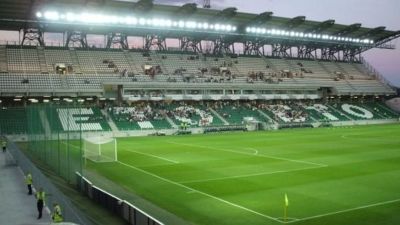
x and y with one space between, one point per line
15 15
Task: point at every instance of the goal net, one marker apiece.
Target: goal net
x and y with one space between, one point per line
100 149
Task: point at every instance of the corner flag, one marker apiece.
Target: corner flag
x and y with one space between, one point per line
286 200
285 208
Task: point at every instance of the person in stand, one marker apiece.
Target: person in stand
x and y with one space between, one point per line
40 197
57 215
28 181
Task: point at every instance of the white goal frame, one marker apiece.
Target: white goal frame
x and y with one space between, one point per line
93 149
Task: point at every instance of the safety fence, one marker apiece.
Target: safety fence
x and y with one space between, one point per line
53 194
130 213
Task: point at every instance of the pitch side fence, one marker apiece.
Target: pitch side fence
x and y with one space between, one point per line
130 213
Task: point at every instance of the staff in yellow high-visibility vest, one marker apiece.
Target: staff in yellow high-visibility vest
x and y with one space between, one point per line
4 145
28 180
40 197
57 215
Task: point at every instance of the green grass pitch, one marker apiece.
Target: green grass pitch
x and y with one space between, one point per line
332 176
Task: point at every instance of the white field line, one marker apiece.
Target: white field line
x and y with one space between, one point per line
347 210
158 157
246 153
71 145
249 175
252 149
151 155
203 193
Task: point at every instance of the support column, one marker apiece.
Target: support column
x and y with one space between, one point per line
158 42
188 43
222 46
281 50
253 48
76 37
32 36
117 39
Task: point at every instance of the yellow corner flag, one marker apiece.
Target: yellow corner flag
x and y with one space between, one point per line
286 200
285 208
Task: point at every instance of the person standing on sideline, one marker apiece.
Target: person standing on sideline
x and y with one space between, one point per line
40 196
57 215
4 145
28 180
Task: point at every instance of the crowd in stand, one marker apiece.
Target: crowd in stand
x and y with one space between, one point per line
293 113
138 113
187 113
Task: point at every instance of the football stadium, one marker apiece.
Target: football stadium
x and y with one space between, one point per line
136 112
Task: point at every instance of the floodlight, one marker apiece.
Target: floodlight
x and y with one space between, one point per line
205 25
228 27
258 30
133 21
181 24
70 17
234 28
168 23
191 24
253 30
263 30
314 36
371 41
142 21
114 19
217 26
51 15
39 15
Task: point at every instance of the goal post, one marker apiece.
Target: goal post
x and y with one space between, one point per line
100 149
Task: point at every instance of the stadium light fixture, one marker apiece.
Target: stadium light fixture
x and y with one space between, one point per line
96 18
51 15
261 30
142 21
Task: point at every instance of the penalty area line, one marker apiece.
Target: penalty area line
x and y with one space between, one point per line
247 153
347 210
202 193
249 175
291 160
151 155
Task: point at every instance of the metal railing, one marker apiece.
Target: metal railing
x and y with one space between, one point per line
130 213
